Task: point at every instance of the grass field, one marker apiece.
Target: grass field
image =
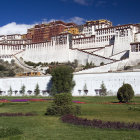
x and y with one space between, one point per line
43 127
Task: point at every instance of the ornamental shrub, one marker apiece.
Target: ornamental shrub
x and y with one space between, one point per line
63 99
62 105
125 93
103 91
37 90
22 90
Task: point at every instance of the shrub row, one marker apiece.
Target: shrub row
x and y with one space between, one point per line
62 110
99 123
16 114
5 132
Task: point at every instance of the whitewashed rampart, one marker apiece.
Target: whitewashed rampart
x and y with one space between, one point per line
114 66
93 82
83 57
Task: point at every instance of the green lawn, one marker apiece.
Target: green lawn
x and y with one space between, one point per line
43 127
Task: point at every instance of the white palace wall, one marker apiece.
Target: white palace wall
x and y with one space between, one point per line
46 52
106 51
83 57
119 65
122 42
112 82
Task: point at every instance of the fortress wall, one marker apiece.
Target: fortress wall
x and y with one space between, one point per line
119 65
137 37
119 56
112 82
135 56
10 49
122 43
108 51
84 57
46 53
102 44
100 52
84 45
91 50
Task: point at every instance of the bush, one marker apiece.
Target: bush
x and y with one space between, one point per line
63 105
89 65
125 93
102 63
63 99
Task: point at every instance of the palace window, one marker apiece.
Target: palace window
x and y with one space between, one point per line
136 49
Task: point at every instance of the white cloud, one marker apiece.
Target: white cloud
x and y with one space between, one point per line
82 2
14 28
101 3
77 20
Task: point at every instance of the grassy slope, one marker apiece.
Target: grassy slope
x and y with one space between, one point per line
51 128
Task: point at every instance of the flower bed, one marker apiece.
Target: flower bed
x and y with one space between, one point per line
19 100
4 101
118 103
99 123
16 114
78 102
37 100
27 100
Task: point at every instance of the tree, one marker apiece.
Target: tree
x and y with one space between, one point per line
12 61
37 90
103 91
22 90
10 91
53 90
75 63
62 79
85 89
125 93
102 63
11 73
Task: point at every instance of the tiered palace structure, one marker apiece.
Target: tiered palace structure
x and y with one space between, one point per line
95 41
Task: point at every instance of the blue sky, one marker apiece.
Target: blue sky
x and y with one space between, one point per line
26 13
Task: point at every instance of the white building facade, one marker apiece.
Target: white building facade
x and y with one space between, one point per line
98 42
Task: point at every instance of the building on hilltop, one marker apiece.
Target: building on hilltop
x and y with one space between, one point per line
58 27
13 39
44 32
90 27
95 41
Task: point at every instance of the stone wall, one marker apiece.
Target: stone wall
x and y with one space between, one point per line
93 82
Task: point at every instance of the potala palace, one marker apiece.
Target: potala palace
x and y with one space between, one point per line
95 41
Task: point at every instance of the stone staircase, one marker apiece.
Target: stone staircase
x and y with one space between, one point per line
21 63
